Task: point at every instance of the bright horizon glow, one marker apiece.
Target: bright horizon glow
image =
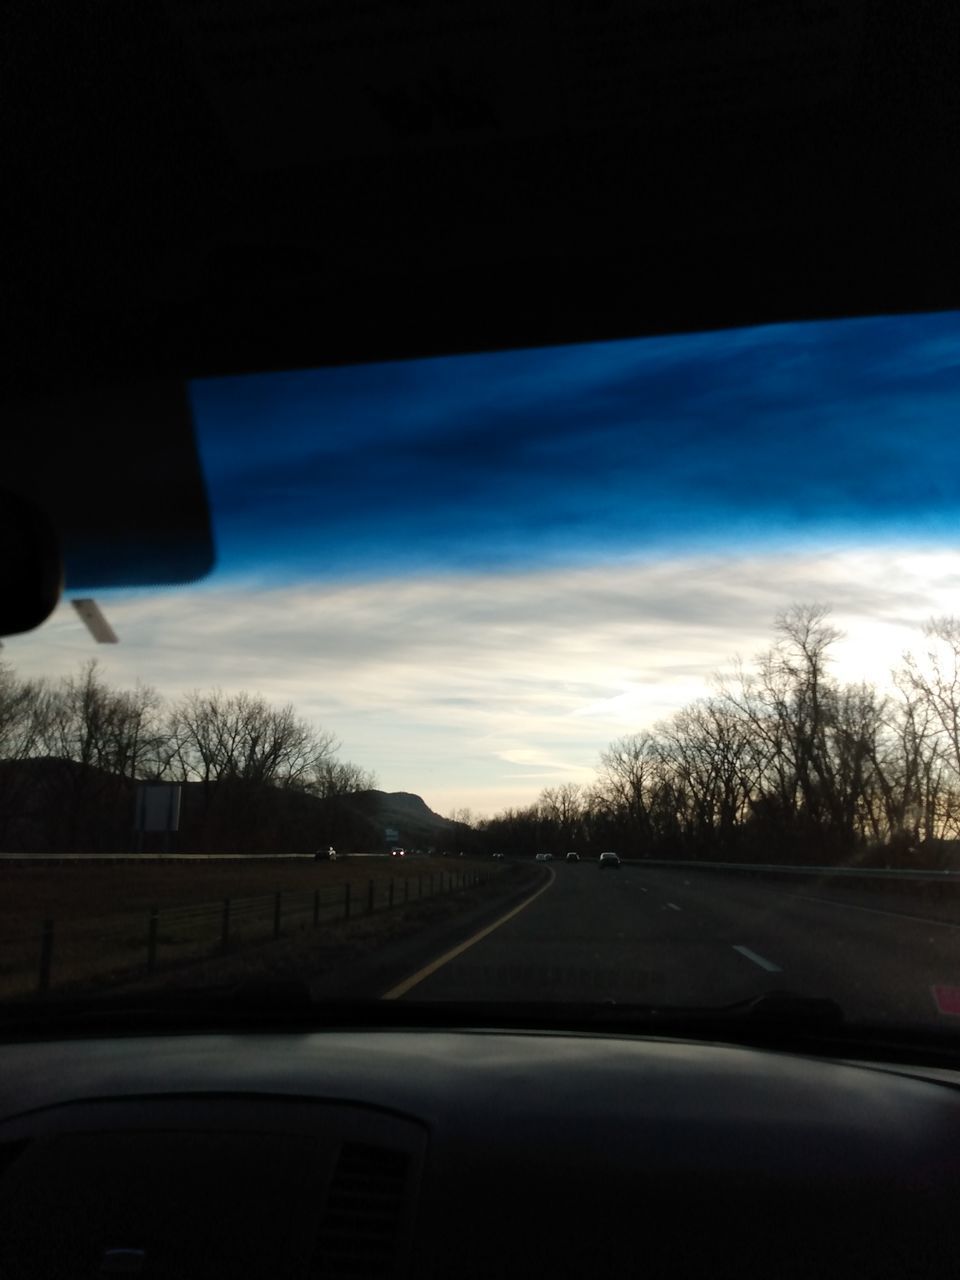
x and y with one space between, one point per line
477 571
477 691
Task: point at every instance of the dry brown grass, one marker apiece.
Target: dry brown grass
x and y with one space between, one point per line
101 911
329 955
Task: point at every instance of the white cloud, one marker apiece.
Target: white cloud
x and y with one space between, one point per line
479 690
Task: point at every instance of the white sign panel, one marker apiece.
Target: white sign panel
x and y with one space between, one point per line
158 806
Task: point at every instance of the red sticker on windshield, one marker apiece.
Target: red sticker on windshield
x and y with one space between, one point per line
948 999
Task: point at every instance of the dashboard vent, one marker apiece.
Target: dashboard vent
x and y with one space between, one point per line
361 1232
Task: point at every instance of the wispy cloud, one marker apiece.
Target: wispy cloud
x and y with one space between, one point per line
478 690
478 570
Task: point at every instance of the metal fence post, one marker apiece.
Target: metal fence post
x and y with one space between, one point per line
276 914
46 956
346 901
316 907
152 927
225 926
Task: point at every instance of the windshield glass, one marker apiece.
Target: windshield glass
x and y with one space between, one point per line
688 601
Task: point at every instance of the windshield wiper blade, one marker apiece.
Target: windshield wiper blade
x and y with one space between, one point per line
773 1011
266 1005
246 1001
777 1006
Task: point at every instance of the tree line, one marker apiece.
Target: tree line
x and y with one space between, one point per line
73 750
781 763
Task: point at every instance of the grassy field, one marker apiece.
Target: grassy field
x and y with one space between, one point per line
111 921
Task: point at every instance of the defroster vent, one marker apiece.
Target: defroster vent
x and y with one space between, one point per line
362 1232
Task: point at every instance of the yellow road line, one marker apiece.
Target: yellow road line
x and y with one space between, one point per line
402 988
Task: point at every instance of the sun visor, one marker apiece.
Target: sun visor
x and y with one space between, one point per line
116 471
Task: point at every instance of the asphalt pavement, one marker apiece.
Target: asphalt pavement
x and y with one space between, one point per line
653 936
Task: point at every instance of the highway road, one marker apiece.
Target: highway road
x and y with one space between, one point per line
658 936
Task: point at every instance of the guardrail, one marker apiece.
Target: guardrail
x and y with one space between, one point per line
41 859
872 873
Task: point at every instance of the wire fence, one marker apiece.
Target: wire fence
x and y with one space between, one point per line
121 945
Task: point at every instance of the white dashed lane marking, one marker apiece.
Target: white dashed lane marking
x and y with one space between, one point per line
759 960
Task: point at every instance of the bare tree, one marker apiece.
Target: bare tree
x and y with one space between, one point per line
243 752
936 680
561 813
332 778
708 749
627 769
24 715
239 737
931 689
25 707
782 761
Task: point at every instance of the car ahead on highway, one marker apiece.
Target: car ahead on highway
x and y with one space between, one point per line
544 857
609 861
398 853
572 857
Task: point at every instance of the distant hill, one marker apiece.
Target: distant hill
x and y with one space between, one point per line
409 815
56 805
49 804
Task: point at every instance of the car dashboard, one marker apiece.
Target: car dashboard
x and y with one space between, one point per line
470 1153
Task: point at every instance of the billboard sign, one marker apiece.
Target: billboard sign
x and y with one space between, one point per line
158 806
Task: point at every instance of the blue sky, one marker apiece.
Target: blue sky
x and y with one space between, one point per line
521 459
478 571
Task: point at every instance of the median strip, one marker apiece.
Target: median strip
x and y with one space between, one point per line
415 979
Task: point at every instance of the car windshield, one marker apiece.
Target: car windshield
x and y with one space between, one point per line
689 602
